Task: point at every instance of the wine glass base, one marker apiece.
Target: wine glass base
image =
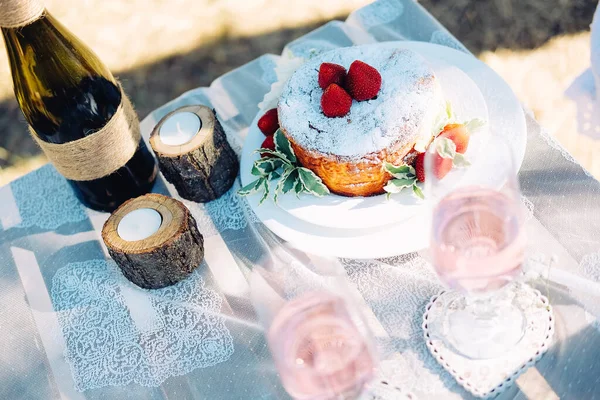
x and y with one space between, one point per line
484 335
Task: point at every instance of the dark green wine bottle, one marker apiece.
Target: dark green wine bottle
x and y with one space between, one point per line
66 93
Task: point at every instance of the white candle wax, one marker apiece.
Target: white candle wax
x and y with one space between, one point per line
179 128
139 224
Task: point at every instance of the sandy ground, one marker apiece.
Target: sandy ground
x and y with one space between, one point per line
541 79
538 46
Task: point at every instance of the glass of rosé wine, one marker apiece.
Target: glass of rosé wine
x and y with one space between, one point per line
477 247
317 335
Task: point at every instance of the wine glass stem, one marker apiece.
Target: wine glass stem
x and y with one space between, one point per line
485 306
484 325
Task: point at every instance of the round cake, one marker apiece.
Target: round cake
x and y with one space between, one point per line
348 152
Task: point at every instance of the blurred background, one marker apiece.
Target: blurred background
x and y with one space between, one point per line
539 46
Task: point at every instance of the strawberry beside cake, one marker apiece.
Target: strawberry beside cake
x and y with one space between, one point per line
350 110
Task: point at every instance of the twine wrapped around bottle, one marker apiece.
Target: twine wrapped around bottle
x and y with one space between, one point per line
14 14
96 155
101 153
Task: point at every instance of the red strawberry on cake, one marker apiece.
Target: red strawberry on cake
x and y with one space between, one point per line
330 73
268 143
420 167
441 166
335 102
269 122
459 134
363 81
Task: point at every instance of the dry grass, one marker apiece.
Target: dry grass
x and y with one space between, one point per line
148 42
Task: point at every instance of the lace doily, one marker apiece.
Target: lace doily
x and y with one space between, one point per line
228 212
488 378
397 290
205 224
377 13
117 333
51 204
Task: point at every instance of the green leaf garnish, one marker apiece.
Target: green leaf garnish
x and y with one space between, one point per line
460 161
405 176
445 147
312 183
417 191
286 183
474 124
401 172
255 171
449 112
283 146
251 188
273 153
282 165
264 186
444 118
396 185
288 180
267 165
298 187
274 175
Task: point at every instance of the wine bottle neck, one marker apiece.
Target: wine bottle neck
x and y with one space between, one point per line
17 13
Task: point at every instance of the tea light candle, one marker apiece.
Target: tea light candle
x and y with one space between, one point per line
154 239
194 154
139 224
179 128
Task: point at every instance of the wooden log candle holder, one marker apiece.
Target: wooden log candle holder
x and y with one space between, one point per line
154 240
193 153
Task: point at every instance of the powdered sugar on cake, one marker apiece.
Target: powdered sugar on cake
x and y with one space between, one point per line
409 101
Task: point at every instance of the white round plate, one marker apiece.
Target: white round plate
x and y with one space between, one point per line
505 118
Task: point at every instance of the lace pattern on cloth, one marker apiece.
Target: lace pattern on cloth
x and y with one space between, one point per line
395 288
228 212
117 333
552 142
529 207
51 204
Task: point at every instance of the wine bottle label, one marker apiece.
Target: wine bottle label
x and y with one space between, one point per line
16 13
101 153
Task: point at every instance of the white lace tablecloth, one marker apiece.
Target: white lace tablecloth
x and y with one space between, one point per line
72 327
